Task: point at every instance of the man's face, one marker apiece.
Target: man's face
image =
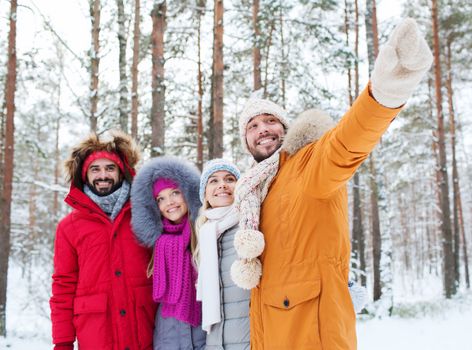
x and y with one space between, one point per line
103 176
264 136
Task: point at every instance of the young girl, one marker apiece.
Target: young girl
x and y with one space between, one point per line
225 306
165 203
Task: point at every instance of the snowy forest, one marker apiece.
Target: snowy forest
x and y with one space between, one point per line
176 74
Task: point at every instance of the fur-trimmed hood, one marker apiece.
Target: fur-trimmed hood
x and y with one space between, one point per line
308 127
146 218
114 141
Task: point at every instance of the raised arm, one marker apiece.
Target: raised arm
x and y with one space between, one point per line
398 69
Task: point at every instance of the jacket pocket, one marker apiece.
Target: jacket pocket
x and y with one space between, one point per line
145 315
93 328
290 316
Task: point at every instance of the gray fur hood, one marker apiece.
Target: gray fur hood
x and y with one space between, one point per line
308 127
146 218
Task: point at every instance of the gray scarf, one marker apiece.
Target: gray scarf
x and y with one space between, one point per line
114 202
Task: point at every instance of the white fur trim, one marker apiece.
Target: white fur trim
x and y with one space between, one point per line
246 273
249 243
308 127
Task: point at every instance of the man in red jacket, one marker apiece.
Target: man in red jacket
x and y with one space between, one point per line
100 292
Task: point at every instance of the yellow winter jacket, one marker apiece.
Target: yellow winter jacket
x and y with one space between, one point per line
303 301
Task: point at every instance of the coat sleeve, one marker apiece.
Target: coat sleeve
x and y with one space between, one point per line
64 286
330 162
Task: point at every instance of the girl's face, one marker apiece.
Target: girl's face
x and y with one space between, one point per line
219 190
172 205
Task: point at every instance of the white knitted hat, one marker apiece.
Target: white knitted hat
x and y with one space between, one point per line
255 107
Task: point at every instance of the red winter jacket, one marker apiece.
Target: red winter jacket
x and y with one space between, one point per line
100 292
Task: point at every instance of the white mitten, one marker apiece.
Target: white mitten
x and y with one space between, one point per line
401 64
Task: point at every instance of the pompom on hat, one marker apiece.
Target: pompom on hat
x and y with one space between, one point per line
258 106
212 167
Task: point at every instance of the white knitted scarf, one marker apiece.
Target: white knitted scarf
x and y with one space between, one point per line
252 189
250 192
208 284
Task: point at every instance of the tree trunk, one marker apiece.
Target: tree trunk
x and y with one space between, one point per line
94 62
371 32
216 139
457 207
123 90
57 171
158 15
464 243
283 73
346 33
6 197
358 231
358 238
372 48
356 48
200 89
2 137
134 70
376 235
436 211
266 68
445 225
256 50
381 234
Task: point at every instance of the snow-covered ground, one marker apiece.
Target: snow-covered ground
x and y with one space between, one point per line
444 325
417 325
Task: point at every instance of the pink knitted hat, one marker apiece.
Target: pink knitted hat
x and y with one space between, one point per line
161 184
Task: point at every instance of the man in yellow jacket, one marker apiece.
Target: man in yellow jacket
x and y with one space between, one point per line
294 199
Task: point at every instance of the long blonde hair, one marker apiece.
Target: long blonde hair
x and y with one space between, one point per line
201 219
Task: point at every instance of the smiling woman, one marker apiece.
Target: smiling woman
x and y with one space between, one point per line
165 202
225 307
172 205
219 190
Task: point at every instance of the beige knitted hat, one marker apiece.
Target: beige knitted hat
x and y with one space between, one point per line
258 106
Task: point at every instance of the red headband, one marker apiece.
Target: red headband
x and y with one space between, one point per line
98 155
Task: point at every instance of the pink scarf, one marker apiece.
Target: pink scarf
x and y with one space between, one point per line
174 275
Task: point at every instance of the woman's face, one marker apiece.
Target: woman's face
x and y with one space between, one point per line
172 205
219 190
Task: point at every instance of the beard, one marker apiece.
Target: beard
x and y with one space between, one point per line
102 192
259 156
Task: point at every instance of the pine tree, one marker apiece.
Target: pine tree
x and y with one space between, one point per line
7 165
158 15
